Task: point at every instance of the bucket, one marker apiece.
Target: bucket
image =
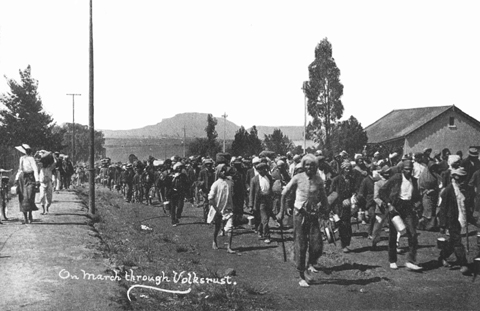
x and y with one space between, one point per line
251 220
336 218
399 225
441 243
329 234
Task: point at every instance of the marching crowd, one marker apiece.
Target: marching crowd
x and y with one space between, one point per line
398 194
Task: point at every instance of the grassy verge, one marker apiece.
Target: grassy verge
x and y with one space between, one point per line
153 254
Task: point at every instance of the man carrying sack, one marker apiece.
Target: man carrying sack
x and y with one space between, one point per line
310 203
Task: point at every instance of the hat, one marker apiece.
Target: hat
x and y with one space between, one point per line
233 159
358 156
459 172
320 158
261 166
344 153
177 165
408 163
376 154
21 149
427 150
385 171
393 155
380 163
309 157
129 165
280 162
297 157
318 152
473 152
418 155
346 164
256 160
208 161
25 146
452 159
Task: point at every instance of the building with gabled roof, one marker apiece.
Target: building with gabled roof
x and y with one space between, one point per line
413 130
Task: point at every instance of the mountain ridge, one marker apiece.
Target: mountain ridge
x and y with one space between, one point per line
194 124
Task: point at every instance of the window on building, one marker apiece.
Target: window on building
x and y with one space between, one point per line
452 121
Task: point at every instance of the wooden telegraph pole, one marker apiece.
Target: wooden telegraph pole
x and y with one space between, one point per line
224 129
91 206
73 125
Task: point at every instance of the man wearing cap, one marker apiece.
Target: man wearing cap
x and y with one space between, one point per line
27 181
310 204
342 191
401 194
177 186
456 201
221 198
261 200
380 206
206 178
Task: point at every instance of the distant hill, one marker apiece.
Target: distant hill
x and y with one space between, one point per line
195 123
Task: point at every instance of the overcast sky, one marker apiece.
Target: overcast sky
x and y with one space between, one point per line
154 59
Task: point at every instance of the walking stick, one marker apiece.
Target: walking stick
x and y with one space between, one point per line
466 236
283 243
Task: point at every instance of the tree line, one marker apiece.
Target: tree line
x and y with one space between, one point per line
23 120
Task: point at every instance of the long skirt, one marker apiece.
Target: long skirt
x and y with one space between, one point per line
26 192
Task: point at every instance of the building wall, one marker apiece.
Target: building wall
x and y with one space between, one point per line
438 135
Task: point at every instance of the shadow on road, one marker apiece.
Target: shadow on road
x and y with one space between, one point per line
347 282
242 249
348 266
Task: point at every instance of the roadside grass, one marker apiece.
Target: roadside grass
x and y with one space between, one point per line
137 252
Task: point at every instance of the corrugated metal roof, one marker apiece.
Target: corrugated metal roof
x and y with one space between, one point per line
399 123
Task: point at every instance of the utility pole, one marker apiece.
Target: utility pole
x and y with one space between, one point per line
224 129
91 205
304 87
73 125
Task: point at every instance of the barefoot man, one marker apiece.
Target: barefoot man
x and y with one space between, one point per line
221 198
310 204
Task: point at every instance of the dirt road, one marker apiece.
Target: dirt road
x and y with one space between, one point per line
36 260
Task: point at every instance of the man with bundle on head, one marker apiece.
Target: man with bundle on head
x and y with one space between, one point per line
310 204
45 176
221 199
401 194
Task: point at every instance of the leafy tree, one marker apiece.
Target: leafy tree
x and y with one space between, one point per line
240 145
23 119
82 141
323 92
349 135
254 143
278 142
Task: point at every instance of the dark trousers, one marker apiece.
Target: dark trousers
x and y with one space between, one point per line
405 211
176 208
345 226
454 245
306 235
129 191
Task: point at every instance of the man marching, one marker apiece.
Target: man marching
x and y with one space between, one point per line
310 203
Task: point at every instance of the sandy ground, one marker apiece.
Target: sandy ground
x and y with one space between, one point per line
37 259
